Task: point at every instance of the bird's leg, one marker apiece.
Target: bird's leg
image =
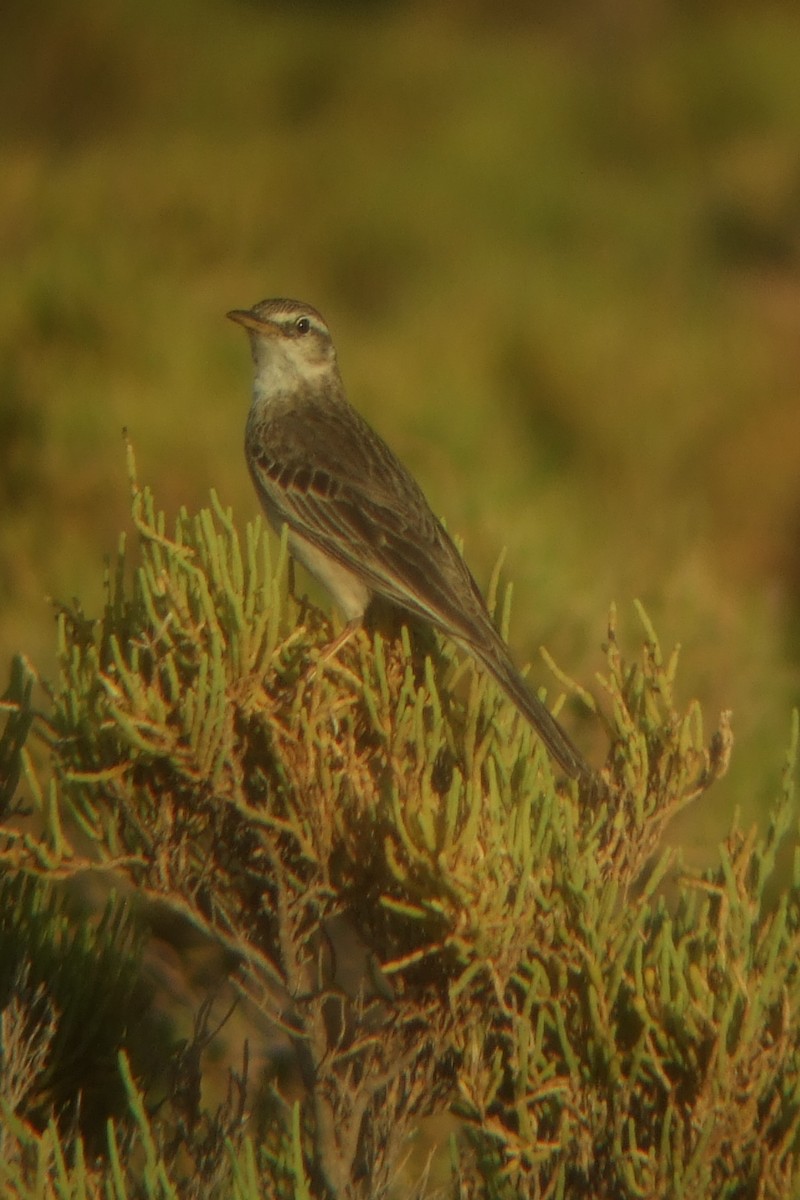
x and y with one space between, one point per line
333 648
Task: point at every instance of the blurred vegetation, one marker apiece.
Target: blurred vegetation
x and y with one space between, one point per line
558 246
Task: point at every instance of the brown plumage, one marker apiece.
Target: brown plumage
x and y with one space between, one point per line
356 518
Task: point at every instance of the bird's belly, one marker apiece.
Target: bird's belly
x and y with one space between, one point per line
348 592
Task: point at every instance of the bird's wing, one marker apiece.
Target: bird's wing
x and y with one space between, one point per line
395 545
390 540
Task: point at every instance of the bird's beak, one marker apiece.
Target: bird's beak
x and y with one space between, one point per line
243 316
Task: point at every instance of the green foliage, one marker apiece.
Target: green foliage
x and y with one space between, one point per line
17 703
36 1165
71 993
423 918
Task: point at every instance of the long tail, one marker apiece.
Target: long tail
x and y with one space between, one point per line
523 696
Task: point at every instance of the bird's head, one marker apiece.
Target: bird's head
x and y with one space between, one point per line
290 343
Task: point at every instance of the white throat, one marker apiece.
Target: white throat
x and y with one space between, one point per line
279 372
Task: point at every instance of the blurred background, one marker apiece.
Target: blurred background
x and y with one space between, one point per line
559 248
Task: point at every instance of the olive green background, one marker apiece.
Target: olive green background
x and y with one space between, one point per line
559 249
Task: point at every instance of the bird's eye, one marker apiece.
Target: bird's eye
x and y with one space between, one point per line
302 324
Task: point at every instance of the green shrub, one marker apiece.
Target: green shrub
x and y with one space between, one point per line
423 918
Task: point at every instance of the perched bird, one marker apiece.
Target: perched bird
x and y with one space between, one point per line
356 518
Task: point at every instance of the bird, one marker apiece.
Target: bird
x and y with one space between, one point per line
356 517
